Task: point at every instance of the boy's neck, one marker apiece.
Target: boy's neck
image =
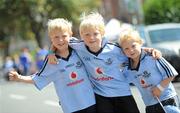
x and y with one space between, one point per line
95 49
64 53
135 62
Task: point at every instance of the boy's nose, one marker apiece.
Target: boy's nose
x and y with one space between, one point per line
91 37
61 39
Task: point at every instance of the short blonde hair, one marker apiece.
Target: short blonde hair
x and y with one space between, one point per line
59 23
129 34
92 21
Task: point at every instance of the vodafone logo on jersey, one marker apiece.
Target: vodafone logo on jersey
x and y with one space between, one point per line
144 84
101 75
142 81
73 76
99 71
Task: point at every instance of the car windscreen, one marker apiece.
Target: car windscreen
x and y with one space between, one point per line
164 35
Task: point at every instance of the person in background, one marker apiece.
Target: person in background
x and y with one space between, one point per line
69 76
151 76
40 56
8 65
25 60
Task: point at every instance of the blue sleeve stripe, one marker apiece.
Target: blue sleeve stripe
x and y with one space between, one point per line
44 65
166 67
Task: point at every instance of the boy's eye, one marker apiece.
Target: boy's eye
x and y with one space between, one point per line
96 34
125 49
133 46
64 36
56 37
87 34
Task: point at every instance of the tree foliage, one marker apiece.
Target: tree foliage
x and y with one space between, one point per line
27 18
161 11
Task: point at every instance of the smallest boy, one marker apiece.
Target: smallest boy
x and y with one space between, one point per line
151 76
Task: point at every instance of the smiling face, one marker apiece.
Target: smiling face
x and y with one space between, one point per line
60 39
131 43
59 31
92 30
92 38
132 49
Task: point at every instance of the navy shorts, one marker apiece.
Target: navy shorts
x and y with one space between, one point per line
123 104
157 108
91 109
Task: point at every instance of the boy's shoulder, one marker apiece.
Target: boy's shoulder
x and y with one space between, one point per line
75 40
76 43
147 56
113 44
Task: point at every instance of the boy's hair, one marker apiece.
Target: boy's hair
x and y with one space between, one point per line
60 24
129 34
92 21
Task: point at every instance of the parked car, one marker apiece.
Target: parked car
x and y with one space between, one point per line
166 38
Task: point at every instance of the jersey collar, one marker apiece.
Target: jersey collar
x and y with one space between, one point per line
143 54
104 41
70 52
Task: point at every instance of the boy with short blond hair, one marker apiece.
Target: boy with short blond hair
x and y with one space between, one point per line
151 76
102 60
69 76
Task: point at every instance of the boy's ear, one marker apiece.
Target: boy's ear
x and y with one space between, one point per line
103 32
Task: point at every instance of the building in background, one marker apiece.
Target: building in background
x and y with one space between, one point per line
128 11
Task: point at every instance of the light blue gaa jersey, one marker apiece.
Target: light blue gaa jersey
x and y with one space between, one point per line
70 81
103 68
150 73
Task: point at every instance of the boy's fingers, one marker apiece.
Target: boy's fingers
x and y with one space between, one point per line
11 77
52 59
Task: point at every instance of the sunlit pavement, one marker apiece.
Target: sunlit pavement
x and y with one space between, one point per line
25 98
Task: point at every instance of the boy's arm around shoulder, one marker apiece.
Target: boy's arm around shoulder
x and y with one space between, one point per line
155 53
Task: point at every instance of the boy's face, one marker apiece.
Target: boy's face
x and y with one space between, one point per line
92 38
132 49
60 39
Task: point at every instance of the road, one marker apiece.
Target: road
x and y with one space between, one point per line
25 98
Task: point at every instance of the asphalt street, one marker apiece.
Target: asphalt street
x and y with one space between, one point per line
25 98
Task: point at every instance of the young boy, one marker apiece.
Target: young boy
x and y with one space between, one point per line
151 76
102 60
69 76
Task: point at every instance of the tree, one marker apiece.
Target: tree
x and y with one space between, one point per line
161 11
27 18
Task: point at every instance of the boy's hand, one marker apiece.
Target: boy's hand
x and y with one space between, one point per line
155 53
52 59
156 92
14 76
51 56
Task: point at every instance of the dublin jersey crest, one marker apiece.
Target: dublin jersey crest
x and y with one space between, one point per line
122 66
109 61
78 64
